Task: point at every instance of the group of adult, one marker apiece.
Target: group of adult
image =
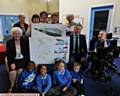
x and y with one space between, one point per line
18 54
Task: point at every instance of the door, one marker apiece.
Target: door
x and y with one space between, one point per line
100 20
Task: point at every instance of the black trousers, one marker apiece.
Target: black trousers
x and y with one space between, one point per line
79 87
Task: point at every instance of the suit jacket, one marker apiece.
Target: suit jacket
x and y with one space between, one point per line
11 50
18 25
82 48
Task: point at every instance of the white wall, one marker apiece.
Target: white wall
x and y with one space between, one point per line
13 6
36 6
83 8
26 7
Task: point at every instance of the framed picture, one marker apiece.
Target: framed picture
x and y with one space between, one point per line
77 19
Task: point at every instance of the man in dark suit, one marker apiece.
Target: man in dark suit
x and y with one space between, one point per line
78 46
21 24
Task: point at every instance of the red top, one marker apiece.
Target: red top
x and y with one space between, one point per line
2 48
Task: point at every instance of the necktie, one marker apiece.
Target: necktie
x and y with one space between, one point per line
77 44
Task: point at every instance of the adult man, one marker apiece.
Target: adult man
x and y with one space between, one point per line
22 24
78 46
44 17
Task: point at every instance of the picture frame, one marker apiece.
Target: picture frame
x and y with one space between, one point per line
77 19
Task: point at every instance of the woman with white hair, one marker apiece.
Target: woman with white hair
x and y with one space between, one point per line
17 55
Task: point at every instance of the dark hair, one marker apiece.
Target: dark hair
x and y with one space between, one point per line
44 12
59 61
40 66
30 62
35 16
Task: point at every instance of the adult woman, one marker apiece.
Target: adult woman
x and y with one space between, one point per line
35 18
17 54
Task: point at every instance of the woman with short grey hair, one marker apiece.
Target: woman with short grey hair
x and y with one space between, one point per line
17 54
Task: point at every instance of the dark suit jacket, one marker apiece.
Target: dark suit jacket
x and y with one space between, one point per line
11 50
18 25
82 48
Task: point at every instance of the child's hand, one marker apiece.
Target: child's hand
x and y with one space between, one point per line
74 80
64 89
81 81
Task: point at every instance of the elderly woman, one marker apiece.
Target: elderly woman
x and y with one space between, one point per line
17 54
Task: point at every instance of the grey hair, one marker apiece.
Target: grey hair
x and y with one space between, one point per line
16 29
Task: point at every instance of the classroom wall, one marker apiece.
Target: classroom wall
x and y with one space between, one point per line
77 7
13 7
28 7
36 6
83 8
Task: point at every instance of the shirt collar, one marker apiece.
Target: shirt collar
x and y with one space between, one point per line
44 76
61 73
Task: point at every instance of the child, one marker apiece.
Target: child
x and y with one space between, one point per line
62 81
77 78
26 80
44 82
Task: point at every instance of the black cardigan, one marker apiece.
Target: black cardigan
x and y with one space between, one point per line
11 50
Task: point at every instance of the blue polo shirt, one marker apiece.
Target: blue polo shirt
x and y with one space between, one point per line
62 79
43 83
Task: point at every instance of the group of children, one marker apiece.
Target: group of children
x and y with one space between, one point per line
61 83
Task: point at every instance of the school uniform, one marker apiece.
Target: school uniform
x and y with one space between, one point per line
26 81
44 84
61 80
79 76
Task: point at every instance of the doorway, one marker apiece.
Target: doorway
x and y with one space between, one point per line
100 20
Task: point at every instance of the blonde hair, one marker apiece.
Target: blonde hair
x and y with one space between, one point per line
16 29
76 64
104 34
